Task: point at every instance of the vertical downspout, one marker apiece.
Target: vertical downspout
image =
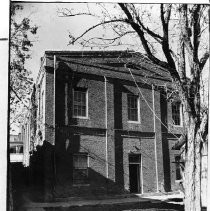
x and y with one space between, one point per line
54 162
155 140
54 90
66 102
106 125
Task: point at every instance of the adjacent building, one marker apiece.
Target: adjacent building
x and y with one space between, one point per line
16 148
103 123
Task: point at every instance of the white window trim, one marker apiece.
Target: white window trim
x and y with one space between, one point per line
87 108
138 108
142 179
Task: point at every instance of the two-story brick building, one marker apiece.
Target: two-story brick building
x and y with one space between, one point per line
99 124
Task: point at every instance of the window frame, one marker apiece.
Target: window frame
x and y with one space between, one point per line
180 114
86 99
177 167
138 109
18 149
87 172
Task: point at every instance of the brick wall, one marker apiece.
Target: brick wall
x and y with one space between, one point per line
49 107
90 134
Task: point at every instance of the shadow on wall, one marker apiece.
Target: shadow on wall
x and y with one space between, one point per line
96 183
30 183
50 175
165 143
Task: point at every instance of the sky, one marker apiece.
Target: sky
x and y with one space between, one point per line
53 31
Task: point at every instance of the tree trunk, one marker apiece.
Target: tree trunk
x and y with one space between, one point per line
192 179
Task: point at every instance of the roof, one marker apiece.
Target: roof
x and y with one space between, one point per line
112 64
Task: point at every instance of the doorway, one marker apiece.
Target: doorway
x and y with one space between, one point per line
135 173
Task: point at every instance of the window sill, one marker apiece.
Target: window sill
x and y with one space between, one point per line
81 185
178 181
134 122
177 126
81 117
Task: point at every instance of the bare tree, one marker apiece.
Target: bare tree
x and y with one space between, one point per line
191 25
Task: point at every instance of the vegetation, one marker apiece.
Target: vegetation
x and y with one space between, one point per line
20 78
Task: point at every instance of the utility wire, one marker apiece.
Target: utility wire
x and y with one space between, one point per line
148 103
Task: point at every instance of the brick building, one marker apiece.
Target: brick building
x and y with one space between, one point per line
96 127
16 148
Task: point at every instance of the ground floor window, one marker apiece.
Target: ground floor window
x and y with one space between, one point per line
16 149
80 168
178 167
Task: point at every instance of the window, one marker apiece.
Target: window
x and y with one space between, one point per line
133 108
16 149
80 103
176 113
178 167
80 168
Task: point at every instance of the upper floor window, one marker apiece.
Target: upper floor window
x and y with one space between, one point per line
80 102
177 113
80 168
133 108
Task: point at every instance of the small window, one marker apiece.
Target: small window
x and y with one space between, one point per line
176 113
80 168
80 103
133 108
16 149
178 167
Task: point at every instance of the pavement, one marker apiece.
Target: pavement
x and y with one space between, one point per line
171 197
153 201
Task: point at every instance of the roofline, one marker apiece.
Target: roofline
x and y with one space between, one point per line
88 53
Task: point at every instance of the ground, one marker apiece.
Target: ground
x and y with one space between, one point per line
128 202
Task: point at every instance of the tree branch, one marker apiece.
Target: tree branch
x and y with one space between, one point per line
93 27
203 60
185 32
144 42
107 40
196 30
16 94
150 32
165 43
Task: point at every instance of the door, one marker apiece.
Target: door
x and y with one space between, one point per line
135 173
